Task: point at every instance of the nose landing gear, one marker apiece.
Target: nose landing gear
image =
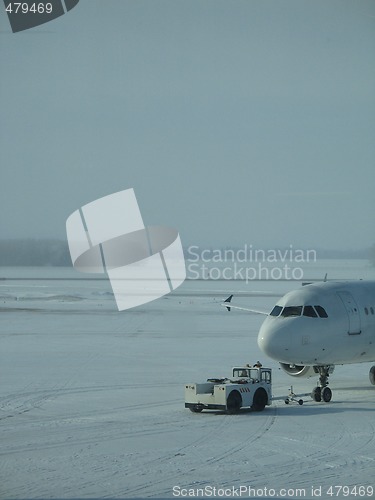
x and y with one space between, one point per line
322 392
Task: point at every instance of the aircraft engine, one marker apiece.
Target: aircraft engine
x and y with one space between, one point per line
299 370
302 371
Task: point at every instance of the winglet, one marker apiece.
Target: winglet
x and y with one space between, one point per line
228 300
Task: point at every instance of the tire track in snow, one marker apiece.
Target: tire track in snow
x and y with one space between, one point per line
321 455
131 471
266 424
18 403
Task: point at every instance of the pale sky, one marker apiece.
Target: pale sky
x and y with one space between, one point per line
235 121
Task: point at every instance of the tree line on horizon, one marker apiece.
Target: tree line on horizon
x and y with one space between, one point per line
33 252
54 252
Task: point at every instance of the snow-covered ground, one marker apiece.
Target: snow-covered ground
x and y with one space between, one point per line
92 400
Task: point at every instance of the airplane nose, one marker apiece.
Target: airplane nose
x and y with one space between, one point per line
274 339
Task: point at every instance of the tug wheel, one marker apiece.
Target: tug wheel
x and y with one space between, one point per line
234 402
260 400
195 409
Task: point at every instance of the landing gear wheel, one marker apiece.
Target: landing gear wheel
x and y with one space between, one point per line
317 394
326 394
260 400
234 402
323 391
372 375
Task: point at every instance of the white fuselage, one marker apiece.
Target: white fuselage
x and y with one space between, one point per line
323 323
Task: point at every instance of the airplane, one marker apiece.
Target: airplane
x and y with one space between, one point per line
322 324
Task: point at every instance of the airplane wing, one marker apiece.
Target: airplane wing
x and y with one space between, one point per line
228 304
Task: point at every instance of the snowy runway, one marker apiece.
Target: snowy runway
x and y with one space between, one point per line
92 400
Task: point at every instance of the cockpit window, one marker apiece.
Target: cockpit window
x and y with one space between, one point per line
321 311
292 311
310 312
276 311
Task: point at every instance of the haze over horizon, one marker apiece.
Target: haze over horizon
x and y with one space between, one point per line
242 122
